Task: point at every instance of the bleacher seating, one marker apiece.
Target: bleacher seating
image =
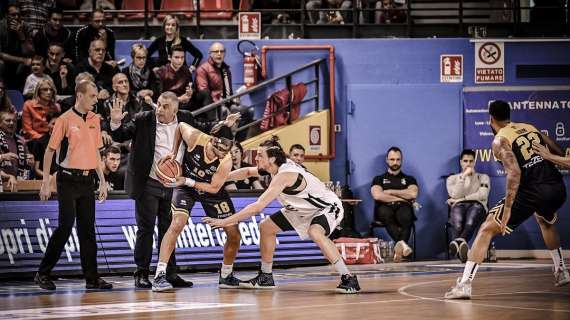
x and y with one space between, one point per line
186 8
447 11
134 5
17 99
216 5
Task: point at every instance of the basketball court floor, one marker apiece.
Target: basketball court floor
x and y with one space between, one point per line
519 289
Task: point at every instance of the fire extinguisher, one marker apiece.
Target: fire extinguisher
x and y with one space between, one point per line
251 63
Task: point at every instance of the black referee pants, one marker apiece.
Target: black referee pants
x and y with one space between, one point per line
76 199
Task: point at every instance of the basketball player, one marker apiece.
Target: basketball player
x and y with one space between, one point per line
310 209
534 186
206 166
546 154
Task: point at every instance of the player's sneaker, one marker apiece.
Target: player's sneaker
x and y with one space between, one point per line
348 284
463 251
229 282
161 284
561 277
261 281
460 290
453 249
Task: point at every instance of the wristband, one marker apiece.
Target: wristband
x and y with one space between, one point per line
189 182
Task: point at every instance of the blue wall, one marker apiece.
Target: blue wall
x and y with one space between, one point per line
393 86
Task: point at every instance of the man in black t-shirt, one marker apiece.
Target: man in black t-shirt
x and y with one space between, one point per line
394 193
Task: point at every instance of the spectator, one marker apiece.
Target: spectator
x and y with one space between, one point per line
16 47
34 115
468 194
175 77
102 71
392 12
87 5
336 15
35 13
237 162
95 30
279 8
110 162
38 68
141 78
54 32
394 193
61 72
38 148
171 38
297 154
5 103
15 160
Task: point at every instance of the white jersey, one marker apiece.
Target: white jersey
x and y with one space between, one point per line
301 207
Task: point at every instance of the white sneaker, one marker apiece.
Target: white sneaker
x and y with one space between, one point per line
407 250
459 291
561 277
399 251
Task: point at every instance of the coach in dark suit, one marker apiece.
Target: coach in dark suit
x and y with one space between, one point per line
152 134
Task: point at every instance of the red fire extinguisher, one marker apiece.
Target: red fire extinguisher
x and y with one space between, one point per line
251 63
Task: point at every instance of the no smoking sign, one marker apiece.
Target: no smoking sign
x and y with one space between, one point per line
489 62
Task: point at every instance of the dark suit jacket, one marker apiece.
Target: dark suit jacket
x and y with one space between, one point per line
142 131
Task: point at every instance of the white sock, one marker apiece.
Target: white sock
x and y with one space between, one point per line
266 267
557 258
469 271
160 268
226 270
340 267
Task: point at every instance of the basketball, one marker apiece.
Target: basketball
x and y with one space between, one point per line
168 170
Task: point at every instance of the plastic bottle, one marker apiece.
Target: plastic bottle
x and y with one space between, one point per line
492 253
338 189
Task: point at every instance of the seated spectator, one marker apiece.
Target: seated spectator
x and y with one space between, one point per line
392 12
333 16
394 193
69 102
141 78
95 30
170 38
237 162
175 77
38 148
38 68
62 73
102 71
15 161
16 48
468 194
54 32
34 114
110 161
297 154
279 12
5 103
35 13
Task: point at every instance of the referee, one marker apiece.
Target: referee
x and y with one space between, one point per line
77 139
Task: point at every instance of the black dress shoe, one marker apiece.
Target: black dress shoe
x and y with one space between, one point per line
141 280
177 282
98 284
44 282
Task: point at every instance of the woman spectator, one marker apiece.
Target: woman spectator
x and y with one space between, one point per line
141 78
5 103
171 37
250 183
34 115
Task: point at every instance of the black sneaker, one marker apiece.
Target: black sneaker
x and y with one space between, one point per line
262 281
348 284
177 282
98 284
229 282
44 282
463 251
453 249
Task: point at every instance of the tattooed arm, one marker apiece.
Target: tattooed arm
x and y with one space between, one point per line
503 151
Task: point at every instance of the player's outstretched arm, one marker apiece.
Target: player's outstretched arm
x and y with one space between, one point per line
243 173
503 152
546 154
279 182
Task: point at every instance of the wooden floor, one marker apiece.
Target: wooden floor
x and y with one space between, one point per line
507 290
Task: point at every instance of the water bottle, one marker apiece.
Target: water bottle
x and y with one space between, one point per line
338 189
390 251
492 253
383 249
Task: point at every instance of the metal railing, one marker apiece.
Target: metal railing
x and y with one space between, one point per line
418 14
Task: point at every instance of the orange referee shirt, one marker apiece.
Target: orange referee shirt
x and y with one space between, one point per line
77 139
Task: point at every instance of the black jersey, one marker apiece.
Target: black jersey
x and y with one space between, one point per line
534 169
196 164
